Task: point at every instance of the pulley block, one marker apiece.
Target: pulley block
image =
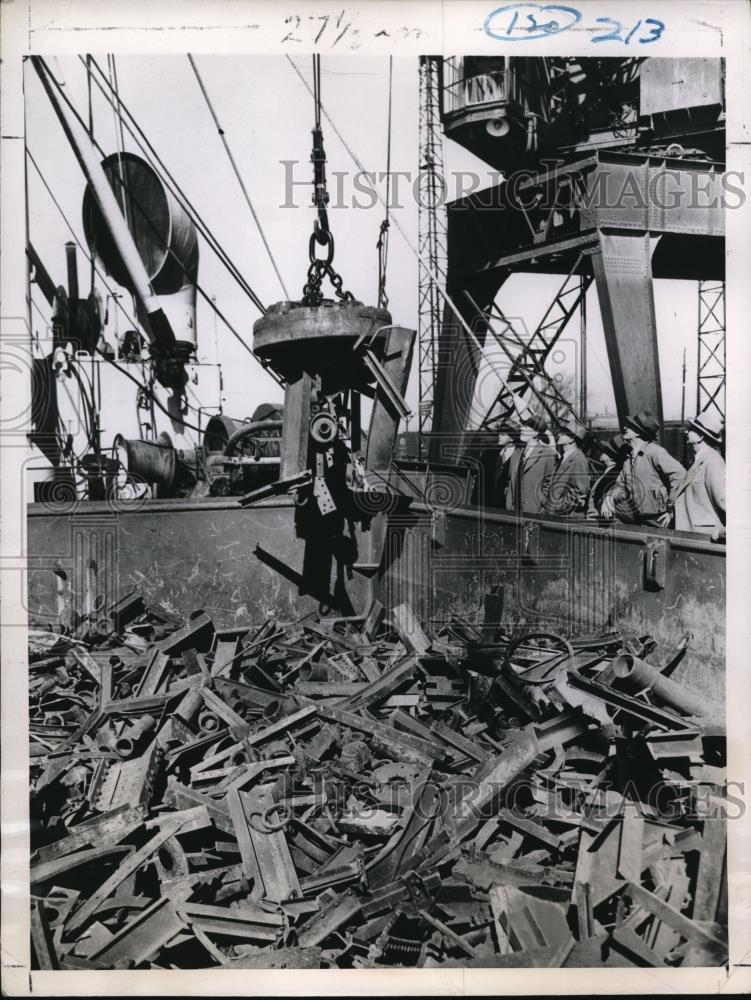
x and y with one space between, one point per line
323 428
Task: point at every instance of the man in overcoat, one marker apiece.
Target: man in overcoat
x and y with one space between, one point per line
700 498
506 466
645 490
569 484
536 465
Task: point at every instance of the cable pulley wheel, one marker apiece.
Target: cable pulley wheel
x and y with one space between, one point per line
323 428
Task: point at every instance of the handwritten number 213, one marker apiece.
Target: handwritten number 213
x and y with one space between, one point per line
613 34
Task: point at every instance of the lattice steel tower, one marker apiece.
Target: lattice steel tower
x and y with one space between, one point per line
432 235
710 366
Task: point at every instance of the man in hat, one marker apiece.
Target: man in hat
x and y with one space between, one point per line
537 463
569 485
507 465
613 454
646 486
700 498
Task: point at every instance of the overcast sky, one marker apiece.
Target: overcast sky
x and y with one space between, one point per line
267 115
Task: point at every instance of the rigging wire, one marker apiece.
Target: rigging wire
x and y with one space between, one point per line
321 109
141 385
92 273
421 263
119 146
150 393
320 267
238 175
88 98
142 141
138 205
199 287
321 229
89 411
75 236
317 89
118 112
140 138
108 287
383 236
61 431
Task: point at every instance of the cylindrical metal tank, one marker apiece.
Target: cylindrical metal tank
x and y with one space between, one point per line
163 232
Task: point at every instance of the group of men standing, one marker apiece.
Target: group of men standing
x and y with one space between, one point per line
630 477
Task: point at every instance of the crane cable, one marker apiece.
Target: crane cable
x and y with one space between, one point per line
92 247
149 392
238 175
92 266
200 289
318 159
119 139
119 305
109 288
137 133
317 89
383 236
320 267
435 278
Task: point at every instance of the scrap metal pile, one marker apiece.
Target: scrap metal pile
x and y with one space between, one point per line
345 793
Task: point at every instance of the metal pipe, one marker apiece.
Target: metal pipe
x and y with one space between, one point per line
637 675
313 672
135 735
88 158
70 258
251 428
189 707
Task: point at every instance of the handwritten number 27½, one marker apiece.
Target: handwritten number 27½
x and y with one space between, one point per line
614 28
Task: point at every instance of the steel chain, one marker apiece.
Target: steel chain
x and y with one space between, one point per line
312 294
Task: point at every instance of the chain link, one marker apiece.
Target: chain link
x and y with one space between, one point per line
312 294
322 235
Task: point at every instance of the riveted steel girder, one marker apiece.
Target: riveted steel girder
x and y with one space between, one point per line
623 276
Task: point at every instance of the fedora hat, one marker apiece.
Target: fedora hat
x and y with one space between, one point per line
536 422
710 425
644 423
614 446
574 429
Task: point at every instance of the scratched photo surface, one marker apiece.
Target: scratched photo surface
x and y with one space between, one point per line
376 507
